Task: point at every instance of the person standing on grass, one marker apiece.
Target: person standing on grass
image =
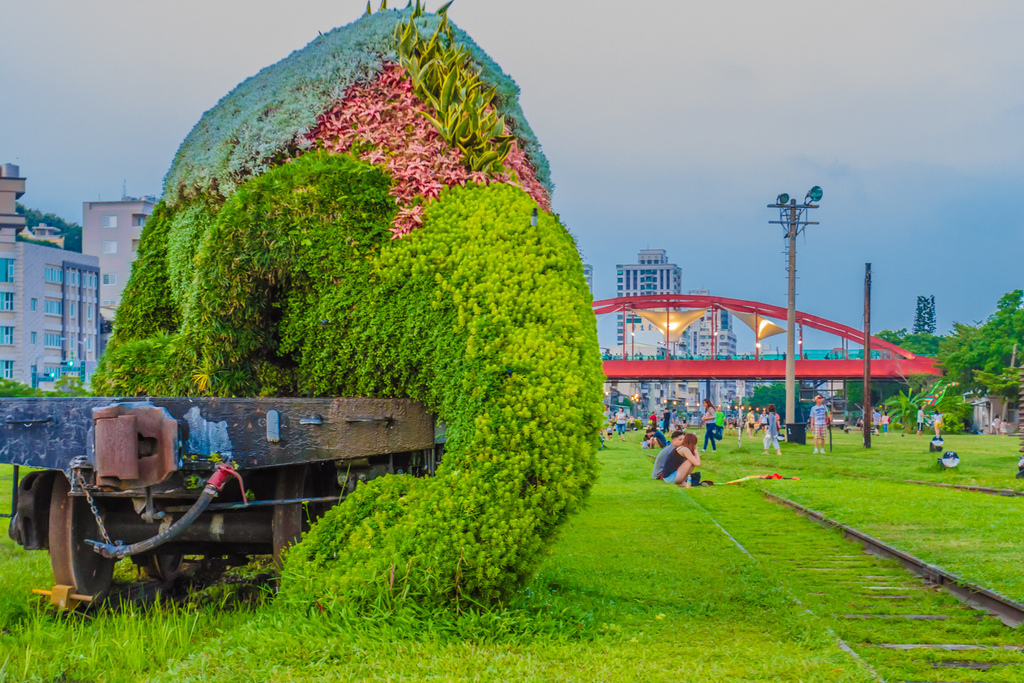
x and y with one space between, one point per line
920 421
876 421
751 422
680 460
762 422
937 423
885 423
620 424
709 421
819 422
771 430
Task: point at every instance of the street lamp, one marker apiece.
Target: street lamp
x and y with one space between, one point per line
792 217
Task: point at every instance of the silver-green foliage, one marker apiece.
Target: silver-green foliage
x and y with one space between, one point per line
264 119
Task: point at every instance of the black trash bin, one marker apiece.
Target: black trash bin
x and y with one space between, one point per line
796 433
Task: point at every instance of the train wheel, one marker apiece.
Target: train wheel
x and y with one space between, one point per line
164 568
74 562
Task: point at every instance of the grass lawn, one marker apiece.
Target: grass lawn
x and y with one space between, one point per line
641 586
974 535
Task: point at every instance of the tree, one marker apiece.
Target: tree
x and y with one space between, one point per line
921 343
903 408
924 318
986 347
767 394
72 232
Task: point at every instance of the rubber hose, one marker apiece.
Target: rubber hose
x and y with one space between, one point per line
119 551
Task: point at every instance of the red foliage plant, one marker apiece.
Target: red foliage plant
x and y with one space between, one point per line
382 124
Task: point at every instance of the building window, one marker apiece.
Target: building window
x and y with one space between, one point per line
109 246
135 247
110 278
6 301
51 339
7 369
54 275
88 313
108 302
53 307
6 270
6 335
71 314
88 343
32 305
109 221
138 220
33 337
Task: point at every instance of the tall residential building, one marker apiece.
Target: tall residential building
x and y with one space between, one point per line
12 186
111 232
652 275
49 308
588 273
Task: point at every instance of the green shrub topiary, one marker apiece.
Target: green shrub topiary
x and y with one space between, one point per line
296 282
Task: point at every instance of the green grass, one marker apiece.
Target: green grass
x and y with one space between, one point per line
640 586
833 579
984 460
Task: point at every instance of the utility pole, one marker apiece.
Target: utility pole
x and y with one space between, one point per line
791 217
867 356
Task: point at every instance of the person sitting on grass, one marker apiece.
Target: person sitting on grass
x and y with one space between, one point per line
654 439
680 459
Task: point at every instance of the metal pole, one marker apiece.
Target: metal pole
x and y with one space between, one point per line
867 356
791 320
623 332
757 337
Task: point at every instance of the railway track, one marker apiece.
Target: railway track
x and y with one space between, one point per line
924 624
965 487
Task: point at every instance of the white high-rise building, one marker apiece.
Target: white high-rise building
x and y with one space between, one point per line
699 333
588 273
652 275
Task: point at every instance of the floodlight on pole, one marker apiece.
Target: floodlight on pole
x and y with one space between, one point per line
792 217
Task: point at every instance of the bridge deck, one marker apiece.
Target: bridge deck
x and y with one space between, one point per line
899 368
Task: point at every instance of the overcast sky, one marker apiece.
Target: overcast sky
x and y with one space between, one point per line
667 124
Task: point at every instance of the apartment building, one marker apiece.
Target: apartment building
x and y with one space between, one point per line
49 306
111 232
700 332
588 273
652 274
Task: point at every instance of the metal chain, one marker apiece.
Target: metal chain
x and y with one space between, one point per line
92 506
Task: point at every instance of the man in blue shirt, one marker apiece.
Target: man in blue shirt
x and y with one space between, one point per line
819 421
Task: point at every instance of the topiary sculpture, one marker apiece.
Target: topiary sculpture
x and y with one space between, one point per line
356 220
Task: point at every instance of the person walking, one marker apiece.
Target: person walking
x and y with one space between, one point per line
885 423
665 418
819 422
751 422
720 422
920 421
708 420
620 424
876 421
771 430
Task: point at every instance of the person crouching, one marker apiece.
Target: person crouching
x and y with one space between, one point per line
680 458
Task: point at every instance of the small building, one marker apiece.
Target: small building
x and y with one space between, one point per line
44 233
987 409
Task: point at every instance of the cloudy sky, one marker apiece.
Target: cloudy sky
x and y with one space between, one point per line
668 124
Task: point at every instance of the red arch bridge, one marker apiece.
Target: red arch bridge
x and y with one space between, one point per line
671 314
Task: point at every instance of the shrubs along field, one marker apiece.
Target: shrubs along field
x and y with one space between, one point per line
640 585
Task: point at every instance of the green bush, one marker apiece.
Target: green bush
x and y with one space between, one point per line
297 289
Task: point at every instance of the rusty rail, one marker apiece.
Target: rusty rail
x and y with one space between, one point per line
1009 612
965 487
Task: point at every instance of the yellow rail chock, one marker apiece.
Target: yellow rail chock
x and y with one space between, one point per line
63 597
